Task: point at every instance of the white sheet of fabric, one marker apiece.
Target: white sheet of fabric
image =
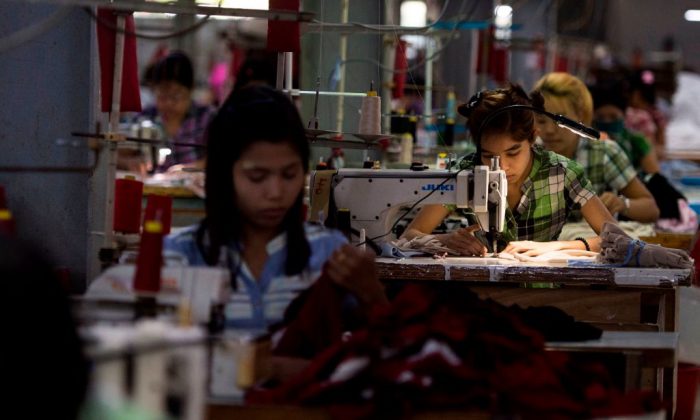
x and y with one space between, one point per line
561 256
682 129
571 231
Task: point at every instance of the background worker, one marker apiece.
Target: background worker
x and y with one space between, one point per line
605 164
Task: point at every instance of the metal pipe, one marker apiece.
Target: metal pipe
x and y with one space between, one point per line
280 71
288 69
297 92
113 128
157 7
428 92
343 51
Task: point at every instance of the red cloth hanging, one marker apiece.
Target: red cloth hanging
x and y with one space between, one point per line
283 36
400 66
497 64
106 40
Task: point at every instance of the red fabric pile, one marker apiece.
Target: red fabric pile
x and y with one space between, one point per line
447 349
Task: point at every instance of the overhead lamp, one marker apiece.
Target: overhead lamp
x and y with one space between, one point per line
414 13
503 21
692 15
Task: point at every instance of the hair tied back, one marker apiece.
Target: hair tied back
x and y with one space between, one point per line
467 108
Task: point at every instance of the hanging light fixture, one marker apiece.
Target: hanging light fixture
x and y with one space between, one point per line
503 21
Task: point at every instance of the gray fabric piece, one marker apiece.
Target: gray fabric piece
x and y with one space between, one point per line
620 249
428 244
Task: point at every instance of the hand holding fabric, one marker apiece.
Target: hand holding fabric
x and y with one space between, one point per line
354 270
463 241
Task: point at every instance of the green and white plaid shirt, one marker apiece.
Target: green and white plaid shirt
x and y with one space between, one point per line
605 164
556 186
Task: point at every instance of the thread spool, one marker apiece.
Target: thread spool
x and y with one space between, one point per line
128 193
7 223
371 114
406 155
150 258
160 207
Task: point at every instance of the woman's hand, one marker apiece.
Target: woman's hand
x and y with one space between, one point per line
532 248
613 202
463 241
354 270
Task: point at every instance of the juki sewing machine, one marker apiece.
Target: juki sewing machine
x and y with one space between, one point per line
374 197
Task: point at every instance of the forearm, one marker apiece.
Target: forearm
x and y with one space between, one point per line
411 233
593 244
643 209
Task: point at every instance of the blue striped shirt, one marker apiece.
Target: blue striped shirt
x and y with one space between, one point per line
257 304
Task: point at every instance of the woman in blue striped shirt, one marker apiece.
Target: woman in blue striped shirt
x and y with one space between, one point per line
257 160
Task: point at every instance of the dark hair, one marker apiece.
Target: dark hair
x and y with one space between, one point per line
43 352
643 81
519 123
250 114
174 67
258 67
610 92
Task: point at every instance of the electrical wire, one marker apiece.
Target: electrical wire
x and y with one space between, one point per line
175 34
387 28
436 54
26 34
410 209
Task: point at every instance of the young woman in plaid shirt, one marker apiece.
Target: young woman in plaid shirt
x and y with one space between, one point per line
605 164
543 187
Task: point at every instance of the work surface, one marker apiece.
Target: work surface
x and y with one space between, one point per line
509 271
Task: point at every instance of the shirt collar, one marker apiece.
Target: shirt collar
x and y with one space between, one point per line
276 243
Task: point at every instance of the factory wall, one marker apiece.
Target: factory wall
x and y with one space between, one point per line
45 86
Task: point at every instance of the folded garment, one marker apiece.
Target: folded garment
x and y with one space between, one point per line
571 231
619 249
560 256
687 221
428 244
390 250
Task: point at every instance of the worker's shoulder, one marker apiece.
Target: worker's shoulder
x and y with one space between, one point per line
609 147
181 236
549 161
317 234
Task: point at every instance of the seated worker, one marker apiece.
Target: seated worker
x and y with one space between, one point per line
609 117
543 187
175 115
255 173
604 163
642 115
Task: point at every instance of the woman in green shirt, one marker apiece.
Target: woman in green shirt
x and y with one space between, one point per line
543 187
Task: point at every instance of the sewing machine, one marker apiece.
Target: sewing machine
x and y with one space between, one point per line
205 289
375 197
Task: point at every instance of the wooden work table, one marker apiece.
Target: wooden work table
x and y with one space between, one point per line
615 298
612 298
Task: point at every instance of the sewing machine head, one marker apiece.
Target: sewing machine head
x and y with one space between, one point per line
377 199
